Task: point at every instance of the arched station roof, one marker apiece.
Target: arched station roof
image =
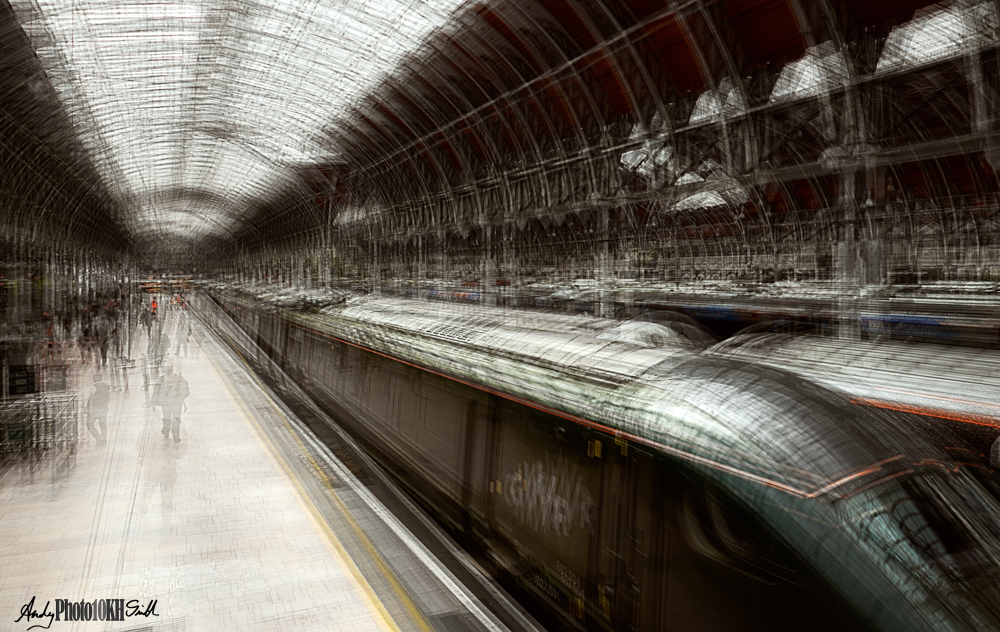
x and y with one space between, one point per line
235 123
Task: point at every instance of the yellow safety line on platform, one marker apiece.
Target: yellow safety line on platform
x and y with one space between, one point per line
415 614
380 615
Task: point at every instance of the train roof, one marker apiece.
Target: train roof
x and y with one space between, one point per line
598 348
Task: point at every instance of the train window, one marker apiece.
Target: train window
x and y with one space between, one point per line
653 340
724 530
748 539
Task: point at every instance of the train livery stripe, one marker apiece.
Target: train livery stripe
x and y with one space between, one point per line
940 413
941 397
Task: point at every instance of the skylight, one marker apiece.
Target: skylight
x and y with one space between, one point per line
939 32
223 97
822 69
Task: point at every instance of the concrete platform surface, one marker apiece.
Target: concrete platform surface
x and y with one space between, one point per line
242 524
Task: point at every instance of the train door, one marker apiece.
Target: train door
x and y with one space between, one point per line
284 336
623 538
494 426
644 539
652 537
476 465
346 373
294 349
380 396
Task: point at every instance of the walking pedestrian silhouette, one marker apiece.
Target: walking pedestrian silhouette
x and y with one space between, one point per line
97 410
173 391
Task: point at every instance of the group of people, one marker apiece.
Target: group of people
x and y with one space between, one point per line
165 389
169 394
97 339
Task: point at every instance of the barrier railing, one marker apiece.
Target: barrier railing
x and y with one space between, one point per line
37 431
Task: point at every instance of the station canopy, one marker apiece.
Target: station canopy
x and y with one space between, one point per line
194 112
200 118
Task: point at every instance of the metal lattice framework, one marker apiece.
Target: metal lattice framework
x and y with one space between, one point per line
731 134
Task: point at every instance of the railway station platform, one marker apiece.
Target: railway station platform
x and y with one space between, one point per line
246 522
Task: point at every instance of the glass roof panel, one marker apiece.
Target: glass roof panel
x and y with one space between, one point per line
821 69
939 32
220 96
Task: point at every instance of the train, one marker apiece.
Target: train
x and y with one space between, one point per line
943 323
948 393
618 477
974 322
961 320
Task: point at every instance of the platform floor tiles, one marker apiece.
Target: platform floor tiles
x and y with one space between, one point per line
210 527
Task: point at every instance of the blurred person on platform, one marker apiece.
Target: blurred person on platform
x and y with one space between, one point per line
173 390
161 344
152 377
183 333
117 362
114 366
97 410
148 319
101 342
115 343
84 342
